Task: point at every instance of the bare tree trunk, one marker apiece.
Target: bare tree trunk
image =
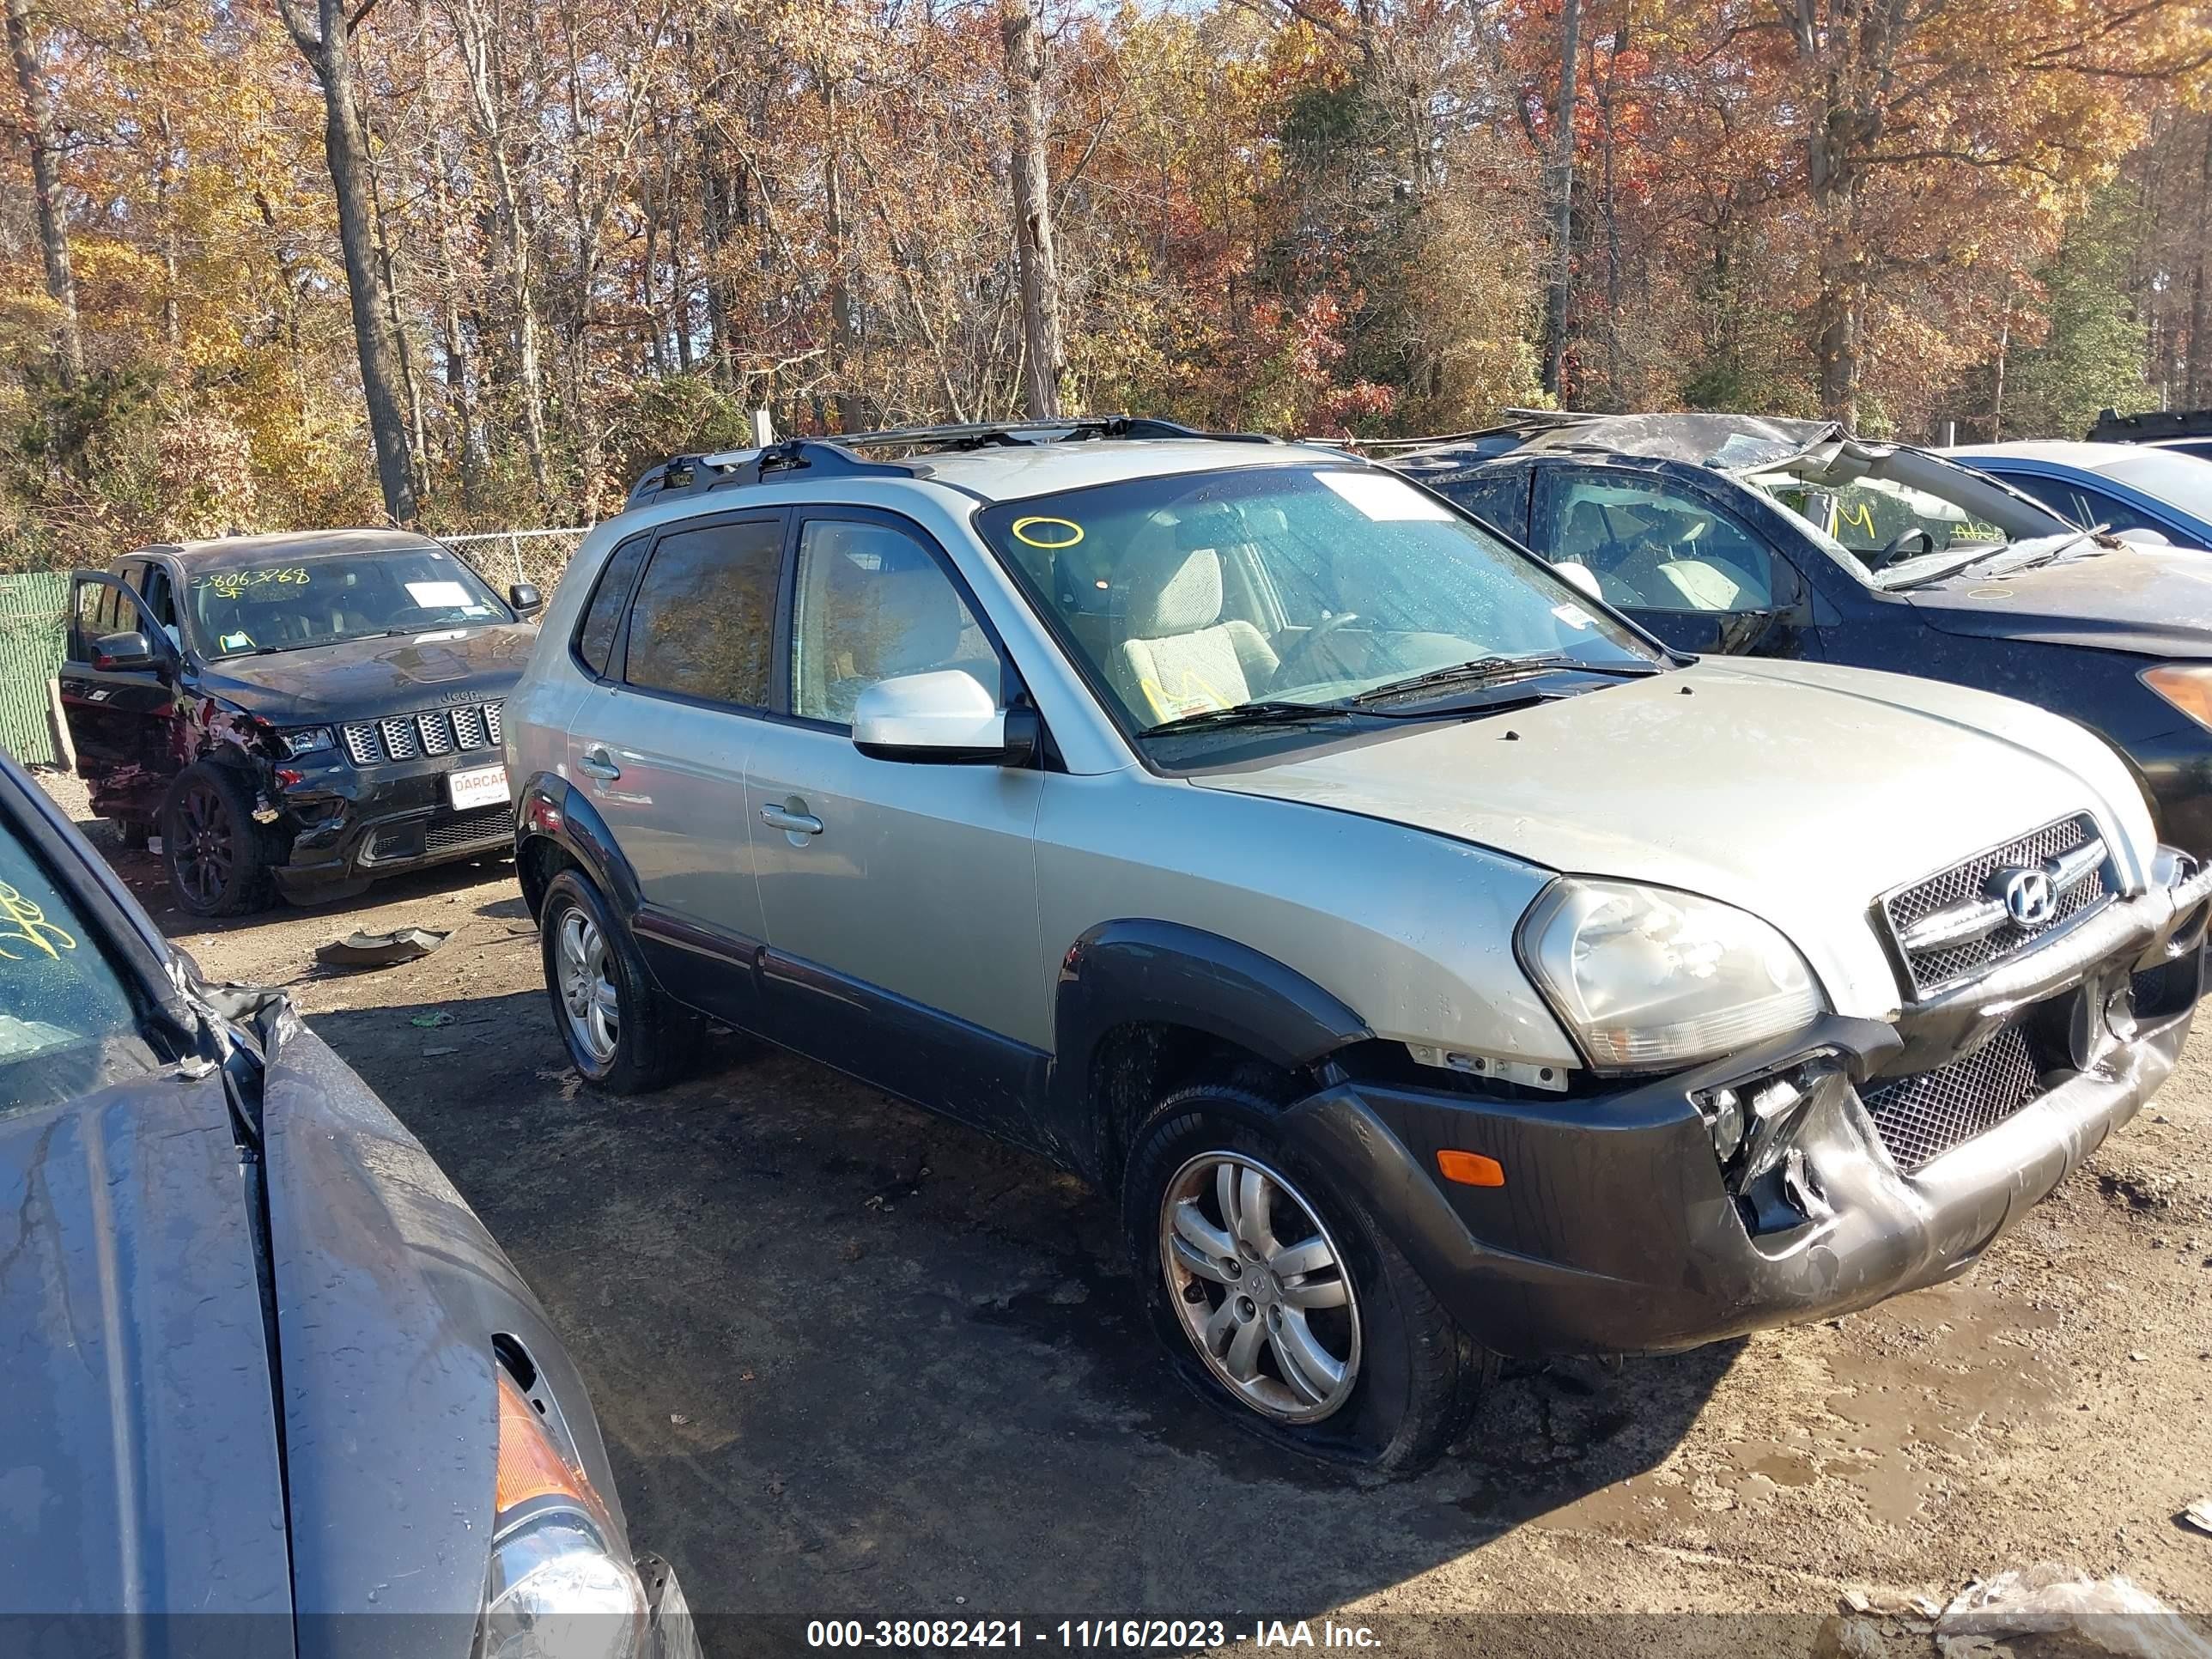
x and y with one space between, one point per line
1997 375
321 37
45 181
851 408
1563 204
2200 286
387 268
1043 354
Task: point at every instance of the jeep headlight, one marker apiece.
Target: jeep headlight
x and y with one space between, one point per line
556 1589
1646 977
308 741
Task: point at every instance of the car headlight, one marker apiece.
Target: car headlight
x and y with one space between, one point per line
556 1589
308 740
2186 685
1648 977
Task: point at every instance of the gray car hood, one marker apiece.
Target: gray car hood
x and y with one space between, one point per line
139 1462
2131 598
1796 792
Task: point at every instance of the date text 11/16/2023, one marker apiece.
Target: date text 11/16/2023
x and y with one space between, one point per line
1170 1635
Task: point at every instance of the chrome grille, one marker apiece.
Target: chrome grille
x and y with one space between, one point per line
400 742
1923 1116
434 732
1929 969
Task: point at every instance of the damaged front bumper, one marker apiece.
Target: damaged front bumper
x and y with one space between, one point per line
348 824
1887 1155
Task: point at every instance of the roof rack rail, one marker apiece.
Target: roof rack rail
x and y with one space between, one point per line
1071 429
2112 427
731 469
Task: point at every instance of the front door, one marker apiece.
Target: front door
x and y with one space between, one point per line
660 746
122 718
1685 569
900 897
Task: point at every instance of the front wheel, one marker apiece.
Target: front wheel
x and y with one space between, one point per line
1280 1300
218 858
623 1032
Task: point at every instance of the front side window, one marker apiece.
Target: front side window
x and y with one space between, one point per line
870 603
704 623
289 605
161 599
1653 547
69 1022
1196 592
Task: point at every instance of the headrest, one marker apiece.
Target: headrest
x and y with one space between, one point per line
1175 591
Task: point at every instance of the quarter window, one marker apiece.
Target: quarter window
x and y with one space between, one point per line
704 623
595 638
873 604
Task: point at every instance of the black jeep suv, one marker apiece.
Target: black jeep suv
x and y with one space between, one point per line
295 713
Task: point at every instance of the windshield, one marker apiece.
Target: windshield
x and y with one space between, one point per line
287 605
69 1022
1297 588
2168 474
1866 515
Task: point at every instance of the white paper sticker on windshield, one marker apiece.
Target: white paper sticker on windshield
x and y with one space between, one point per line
1574 616
431 595
1383 498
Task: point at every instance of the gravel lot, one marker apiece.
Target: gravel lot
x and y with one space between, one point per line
852 1360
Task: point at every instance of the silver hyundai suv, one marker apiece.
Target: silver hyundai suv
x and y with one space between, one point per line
1435 965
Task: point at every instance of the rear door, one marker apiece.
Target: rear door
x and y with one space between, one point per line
900 897
1683 566
122 719
660 744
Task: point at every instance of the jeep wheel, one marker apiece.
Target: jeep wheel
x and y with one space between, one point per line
1279 1299
218 857
624 1033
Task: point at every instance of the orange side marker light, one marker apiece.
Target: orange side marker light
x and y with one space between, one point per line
1471 1169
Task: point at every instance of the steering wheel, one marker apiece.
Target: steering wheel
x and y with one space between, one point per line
1309 640
1894 549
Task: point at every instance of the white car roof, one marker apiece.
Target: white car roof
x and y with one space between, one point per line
1006 473
2059 451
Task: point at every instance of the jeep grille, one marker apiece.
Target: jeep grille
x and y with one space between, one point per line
434 732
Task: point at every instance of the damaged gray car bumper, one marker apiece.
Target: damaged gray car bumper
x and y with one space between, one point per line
1892 1157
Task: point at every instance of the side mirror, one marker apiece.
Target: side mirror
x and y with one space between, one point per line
944 717
525 599
121 653
1579 577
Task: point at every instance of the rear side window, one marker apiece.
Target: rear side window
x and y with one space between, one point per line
595 638
703 623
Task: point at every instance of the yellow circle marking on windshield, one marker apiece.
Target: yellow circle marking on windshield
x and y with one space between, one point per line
1025 532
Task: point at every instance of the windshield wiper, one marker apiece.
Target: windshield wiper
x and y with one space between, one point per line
1492 671
1266 713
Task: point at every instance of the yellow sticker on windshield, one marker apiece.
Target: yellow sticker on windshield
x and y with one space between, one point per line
1058 533
24 922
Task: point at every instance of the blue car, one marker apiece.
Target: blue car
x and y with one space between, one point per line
2161 489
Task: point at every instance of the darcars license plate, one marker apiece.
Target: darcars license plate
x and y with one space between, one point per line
480 785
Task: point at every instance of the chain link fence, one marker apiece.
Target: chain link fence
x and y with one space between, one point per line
536 556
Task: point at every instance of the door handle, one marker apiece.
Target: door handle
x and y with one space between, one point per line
596 763
798 824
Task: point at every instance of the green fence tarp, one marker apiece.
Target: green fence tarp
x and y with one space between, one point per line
31 607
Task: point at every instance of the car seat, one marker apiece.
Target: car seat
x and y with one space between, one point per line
1178 657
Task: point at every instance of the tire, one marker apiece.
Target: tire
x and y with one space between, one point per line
1408 1375
133 835
219 861
646 1040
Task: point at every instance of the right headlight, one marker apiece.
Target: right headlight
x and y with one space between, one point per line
2186 685
556 1588
1646 977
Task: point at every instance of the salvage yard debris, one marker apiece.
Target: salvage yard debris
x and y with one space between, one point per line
361 950
2080 1615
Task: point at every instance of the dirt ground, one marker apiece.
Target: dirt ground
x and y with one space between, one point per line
854 1361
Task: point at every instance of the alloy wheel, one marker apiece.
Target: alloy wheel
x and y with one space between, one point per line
204 856
588 994
1261 1286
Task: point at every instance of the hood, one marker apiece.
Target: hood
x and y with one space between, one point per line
138 1466
1797 793
368 679
2149 599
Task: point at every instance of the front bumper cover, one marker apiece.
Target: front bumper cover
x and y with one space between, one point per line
1616 1230
348 824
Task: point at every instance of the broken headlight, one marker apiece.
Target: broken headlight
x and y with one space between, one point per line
308 740
1646 977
